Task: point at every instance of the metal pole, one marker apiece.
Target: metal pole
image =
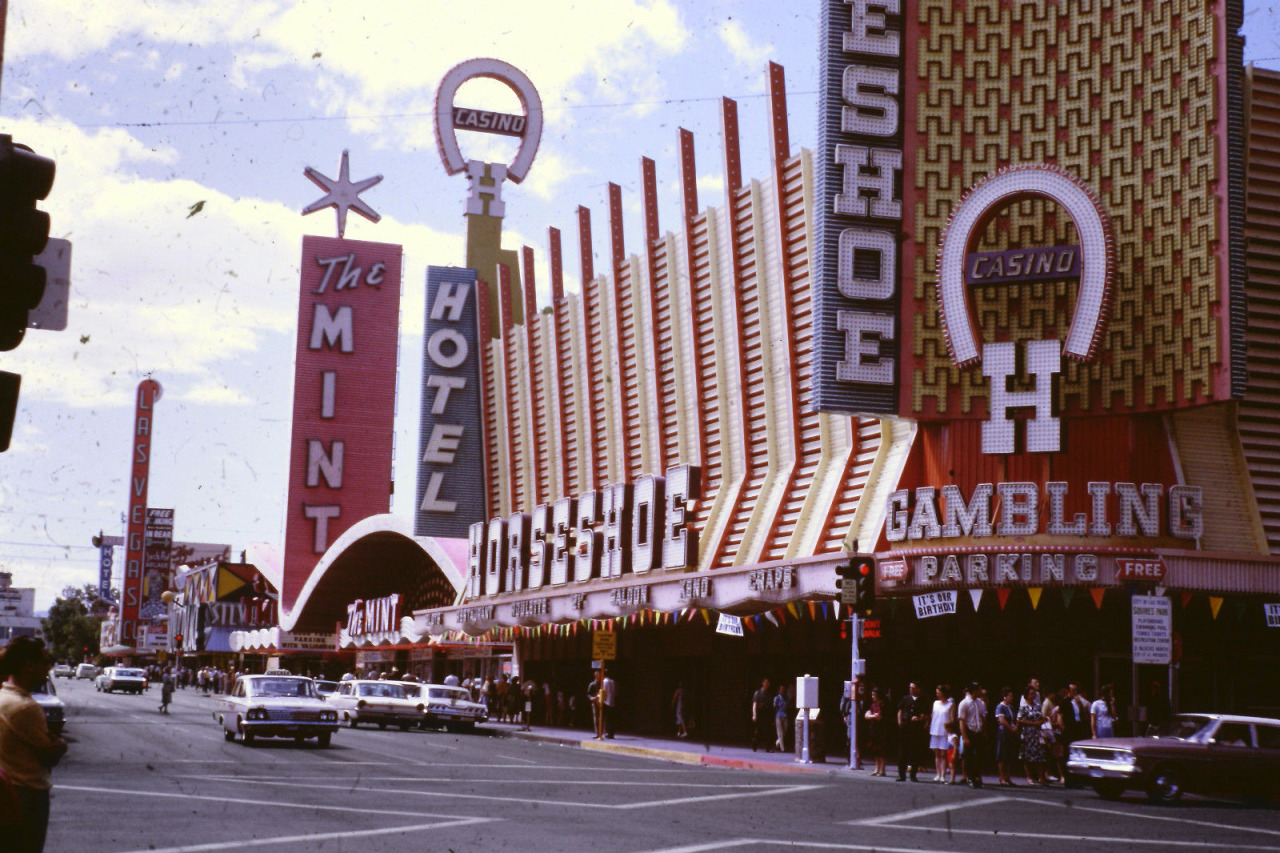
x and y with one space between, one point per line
853 689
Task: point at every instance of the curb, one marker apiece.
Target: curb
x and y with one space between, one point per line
671 755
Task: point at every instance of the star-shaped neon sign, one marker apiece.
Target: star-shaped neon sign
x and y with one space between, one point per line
341 194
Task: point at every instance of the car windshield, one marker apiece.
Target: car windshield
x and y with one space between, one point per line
130 673
453 693
272 686
1190 727
386 691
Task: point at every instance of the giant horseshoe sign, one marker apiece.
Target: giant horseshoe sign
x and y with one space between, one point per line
970 217
528 127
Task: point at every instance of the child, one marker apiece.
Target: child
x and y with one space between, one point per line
953 751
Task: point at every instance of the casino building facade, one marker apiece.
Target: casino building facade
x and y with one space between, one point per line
1011 329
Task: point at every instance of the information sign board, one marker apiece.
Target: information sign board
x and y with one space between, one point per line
1152 629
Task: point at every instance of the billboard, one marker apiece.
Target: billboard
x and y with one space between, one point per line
451 493
135 532
343 397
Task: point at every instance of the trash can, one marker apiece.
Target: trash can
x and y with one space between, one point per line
817 741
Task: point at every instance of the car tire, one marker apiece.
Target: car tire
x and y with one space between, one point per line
404 727
246 738
1109 789
322 740
382 726
1166 785
228 735
351 721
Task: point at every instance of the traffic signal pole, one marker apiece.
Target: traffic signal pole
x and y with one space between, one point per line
856 667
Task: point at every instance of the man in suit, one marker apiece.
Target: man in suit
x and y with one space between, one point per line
913 722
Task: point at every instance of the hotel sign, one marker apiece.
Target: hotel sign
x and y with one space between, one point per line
450 437
859 207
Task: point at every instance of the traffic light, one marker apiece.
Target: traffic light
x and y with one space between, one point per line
864 583
25 178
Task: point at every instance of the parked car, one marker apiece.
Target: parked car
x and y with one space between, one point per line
450 707
55 711
380 702
63 670
1214 754
121 678
325 688
87 670
275 706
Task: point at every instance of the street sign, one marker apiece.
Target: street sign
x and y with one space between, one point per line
604 645
1152 629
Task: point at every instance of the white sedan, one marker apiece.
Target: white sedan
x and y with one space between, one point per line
275 706
383 703
122 678
450 707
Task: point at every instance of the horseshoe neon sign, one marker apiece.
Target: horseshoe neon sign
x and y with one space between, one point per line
978 207
447 128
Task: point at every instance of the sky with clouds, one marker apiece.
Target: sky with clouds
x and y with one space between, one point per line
152 108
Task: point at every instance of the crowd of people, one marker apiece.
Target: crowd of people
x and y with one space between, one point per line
957 734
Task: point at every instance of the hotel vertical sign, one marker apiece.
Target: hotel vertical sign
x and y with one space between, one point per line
451 493
343 397
859 209
135 532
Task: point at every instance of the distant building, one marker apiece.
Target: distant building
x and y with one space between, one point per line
17 611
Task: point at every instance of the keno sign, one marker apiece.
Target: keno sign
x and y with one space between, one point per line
859 210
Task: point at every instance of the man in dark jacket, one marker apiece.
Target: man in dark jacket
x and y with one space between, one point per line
762 729
913 722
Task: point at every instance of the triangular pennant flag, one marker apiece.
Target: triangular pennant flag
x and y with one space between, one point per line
772 618
813 609
836 606
1241 606
1215 604
706 615
975 595
749 624
1034 592
1186 599
1097 592
1003 596
793 610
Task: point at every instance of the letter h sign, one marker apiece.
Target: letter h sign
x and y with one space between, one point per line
1044 431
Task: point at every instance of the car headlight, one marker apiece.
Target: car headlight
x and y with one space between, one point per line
257 714
329 716
1126 758
1075 754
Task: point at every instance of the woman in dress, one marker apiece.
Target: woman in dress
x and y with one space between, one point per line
874 717
677 706
1030 719
1006 736
1102 713
943 709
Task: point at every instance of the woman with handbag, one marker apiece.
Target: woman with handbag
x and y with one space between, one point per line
27 751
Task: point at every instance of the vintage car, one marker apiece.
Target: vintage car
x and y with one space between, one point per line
121 678
383 703
55 712
63 670
275 706
1213 754
449 707
86 670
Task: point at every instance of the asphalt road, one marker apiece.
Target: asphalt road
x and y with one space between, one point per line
136 780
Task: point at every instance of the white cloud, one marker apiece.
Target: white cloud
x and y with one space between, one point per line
749 54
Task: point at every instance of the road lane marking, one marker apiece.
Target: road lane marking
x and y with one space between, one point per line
1086 839
268 804
413 792
932 810
1205 823
791 842
453 780
312 838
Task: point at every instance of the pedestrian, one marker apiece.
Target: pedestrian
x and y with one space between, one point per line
1006 736
677 707
913 717
1030 722
875 737
1051 733
548 705
166 693
938 742
609 702
761 716
596 698
780 717
1073 712
1102 713
971 715
27 751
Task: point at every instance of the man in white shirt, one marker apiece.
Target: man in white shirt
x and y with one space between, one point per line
972 716
609 697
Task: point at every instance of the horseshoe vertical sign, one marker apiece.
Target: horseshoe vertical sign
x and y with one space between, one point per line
487 200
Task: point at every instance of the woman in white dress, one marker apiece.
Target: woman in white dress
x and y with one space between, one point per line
943 712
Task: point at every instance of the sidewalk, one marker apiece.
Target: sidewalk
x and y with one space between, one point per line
681 751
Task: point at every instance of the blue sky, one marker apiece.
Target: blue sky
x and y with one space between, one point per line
152 107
